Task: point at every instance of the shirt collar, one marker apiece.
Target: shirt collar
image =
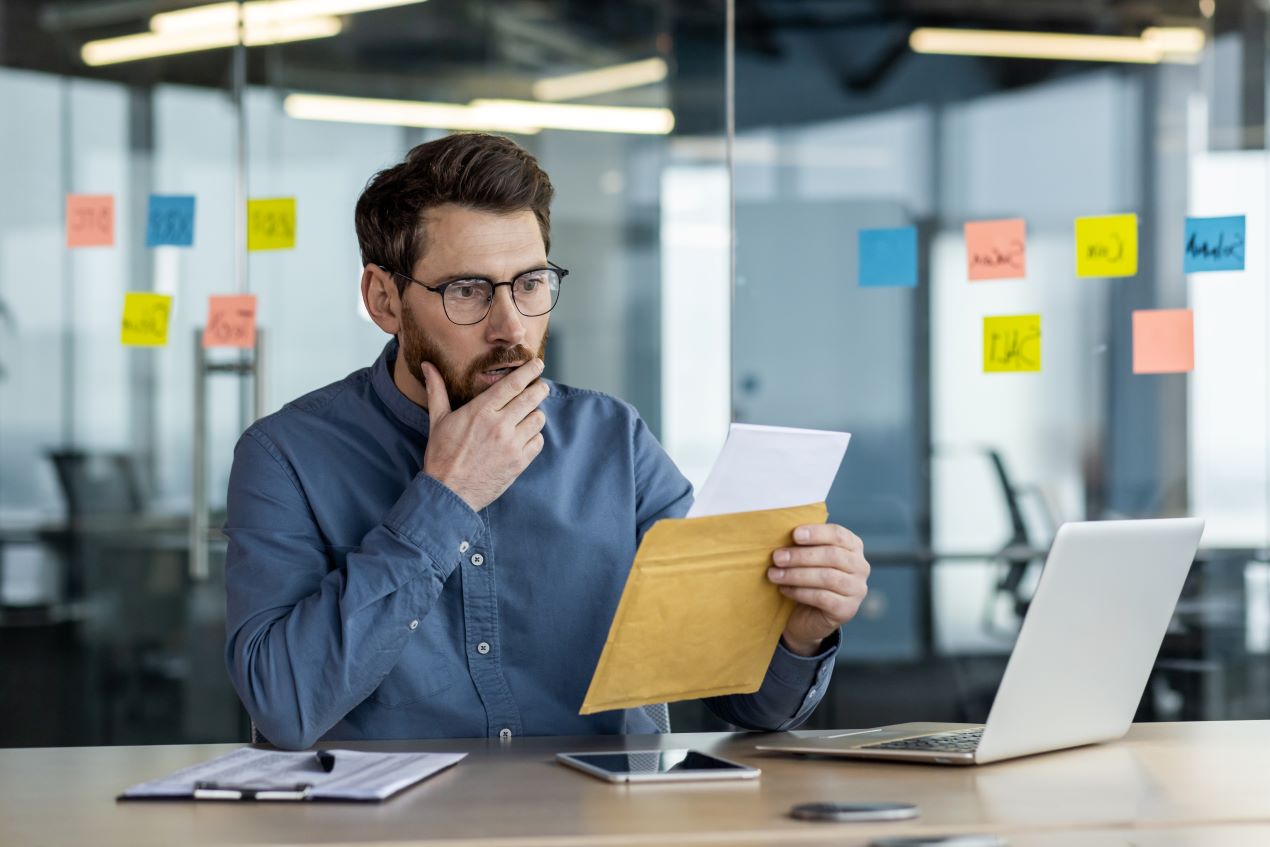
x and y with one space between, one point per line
401 406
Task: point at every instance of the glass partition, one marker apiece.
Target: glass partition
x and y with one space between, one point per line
902 185
114 458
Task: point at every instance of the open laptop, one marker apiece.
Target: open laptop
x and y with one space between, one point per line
1082 657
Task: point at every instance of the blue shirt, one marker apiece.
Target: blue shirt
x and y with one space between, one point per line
367 600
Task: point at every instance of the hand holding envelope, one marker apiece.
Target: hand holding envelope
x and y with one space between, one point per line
700 616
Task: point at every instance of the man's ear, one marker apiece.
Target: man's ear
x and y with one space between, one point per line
381 298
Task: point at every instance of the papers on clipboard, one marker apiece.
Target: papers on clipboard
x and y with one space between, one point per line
698 616
252 774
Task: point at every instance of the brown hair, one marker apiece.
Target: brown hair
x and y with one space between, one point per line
477 170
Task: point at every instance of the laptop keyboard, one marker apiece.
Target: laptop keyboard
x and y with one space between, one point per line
960 741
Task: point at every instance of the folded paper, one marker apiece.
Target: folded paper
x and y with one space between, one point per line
698 616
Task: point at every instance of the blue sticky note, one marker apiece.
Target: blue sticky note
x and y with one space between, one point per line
888 257
170 221
1214 244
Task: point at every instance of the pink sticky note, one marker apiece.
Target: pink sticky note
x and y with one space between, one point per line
231 321
996 249
1163 341
90 220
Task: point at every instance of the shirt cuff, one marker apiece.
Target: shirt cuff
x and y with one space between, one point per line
437 521
806 678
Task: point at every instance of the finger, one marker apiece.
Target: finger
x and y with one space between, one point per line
837 606
831 579
834 557
526 401
534 446
828 533
531 426
438 400
505 390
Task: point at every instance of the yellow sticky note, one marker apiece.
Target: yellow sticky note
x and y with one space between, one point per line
271 224
145 319
1012 343
1107 246
698 616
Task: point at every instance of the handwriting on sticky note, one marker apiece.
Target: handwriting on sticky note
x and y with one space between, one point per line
1011 343
271 224
1163 341
170 221
996 249
90 220
1214 244
145 319
888 257
231 321
1107 246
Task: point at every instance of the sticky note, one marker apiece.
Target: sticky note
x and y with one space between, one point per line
1214 244
170 220
145 319
996 249
1107 246
1163 341
90 220
1011 343
888 257
231 321
700 582
271 224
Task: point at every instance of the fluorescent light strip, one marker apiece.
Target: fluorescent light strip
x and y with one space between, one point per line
221 15
363 110
149 45
625 119
519 116
1048 45
601 80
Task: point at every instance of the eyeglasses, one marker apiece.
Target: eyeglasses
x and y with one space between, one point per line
468 301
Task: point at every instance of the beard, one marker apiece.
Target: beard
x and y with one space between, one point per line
462 382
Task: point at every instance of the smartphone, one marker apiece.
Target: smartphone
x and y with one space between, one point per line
656 766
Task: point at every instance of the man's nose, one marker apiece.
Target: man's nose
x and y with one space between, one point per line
506 325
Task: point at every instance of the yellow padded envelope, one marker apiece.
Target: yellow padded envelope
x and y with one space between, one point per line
698 616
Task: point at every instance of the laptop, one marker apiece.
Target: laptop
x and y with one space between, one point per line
1081 660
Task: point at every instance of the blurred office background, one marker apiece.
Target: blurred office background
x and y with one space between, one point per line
710 226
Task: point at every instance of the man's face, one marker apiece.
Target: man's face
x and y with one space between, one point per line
463 243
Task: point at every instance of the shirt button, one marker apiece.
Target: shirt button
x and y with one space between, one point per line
478 559
482 648
414 624
504 733
463 547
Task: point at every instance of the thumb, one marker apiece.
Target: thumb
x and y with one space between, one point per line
438 399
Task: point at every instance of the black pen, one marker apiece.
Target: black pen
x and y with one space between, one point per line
326 760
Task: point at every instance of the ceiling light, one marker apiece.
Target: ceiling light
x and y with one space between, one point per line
601 80
148 45
1163 44
518 116
221 15
364 110
626 119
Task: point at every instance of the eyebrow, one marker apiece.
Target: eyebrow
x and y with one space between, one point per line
483 277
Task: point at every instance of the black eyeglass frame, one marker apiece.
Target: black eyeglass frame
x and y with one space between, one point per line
494 286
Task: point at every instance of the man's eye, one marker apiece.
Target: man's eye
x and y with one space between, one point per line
465 291
529 284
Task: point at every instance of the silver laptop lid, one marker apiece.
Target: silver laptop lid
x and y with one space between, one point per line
1091 635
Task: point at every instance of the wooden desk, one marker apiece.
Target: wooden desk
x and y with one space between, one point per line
1165 784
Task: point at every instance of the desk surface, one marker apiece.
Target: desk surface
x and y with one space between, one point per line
1173 784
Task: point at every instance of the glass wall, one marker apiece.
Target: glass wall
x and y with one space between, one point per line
114 458
1125 391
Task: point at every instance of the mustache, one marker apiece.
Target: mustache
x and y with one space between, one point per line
502 357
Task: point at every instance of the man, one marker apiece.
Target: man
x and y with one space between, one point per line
435 545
